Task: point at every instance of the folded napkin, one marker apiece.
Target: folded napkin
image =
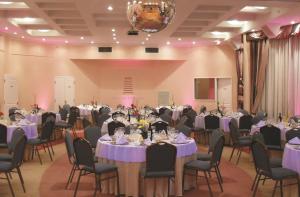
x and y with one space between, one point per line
147 142
181 138
106 137
24 122
121 140
261 123
295 140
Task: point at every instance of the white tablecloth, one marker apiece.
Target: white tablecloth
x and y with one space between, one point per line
30 131
86 110
281 126
104 128
37 118
291 157
224 122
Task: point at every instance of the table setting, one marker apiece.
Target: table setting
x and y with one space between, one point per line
128 152
291 155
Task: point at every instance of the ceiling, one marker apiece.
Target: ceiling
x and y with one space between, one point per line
197 22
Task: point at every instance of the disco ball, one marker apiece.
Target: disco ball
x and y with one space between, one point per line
150 16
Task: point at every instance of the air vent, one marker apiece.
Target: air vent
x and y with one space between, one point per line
152 50
105 49
128 85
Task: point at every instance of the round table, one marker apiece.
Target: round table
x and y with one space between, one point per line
29 129
224 122
291 157
130 159
37 118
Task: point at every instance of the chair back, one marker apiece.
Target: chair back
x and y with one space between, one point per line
3 134
69 146
212 122
83 153
12 110
160 126
192 114
184 129
162 110
73 115
48 115
160 157
245 122
95 114
215 136
233 131
16 136
166 117
86 123
47 130
92 135
113 125
217 150
63 114
104 110
117 114
261 157
292 133
101 119
18 154
272 136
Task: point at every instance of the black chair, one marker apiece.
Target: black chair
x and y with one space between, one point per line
207 166
48 115
92 135
85 163
3 136
117 114
292 133
43 140
272 137
262 164
184 129
71 156
245 124
7 167
238 142
161 126
12 113
166 117
113 125
212 122
95 114
162 110
160 162
104 110
86 123
67 107
63 114
18 133
102 118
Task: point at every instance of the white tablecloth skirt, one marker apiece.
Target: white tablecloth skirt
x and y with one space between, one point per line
30 131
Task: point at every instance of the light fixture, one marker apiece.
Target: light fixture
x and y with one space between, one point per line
6 28
218 33
6 2
27 21
81 38
293 22
194 42
23 37
43 30
66 41
150 16
114 38
218 42
114 35
110 8
118 42
147 39
15 33
143 43
149 35
179 39
44 39
254 9
236 22
168 43
113 30
92 42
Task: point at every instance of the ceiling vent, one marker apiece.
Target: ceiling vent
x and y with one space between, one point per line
105 49
152 50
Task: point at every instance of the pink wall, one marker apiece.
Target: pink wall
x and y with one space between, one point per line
101 75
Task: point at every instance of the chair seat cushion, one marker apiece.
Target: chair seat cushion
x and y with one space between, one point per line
204 156
158 174
101 168
36 141
5 157
5 166
282 173
198 165
276 162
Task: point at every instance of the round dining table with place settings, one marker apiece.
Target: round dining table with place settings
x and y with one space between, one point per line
291 157
130 159
30 130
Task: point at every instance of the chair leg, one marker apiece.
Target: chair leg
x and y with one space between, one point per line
233 149
10 187
49 151
21 179
77 184
256 185
168 186
219 179
208 184
219 173
96 185
32 151
274 189
70 176
254 181
240 153
281 188
118 183
51 147
183 173
38 153
298 183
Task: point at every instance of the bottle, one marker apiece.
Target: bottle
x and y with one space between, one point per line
280 117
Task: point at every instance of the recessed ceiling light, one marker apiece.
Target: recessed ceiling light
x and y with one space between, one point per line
236 22
168 42
179 39
44 39
44 30
15 33
149 35
118 42
110 8
6 2
23 37
147 39
217 42
66 41
253 9
194 42
143 43
114 35
293 22
92 42
113 29
27 21
114 38
218 33
6 28
81 38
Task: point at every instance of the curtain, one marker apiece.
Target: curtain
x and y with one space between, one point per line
239 72
282 89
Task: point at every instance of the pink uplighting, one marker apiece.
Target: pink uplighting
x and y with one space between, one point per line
127 100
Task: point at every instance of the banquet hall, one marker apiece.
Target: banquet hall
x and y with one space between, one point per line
150 98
